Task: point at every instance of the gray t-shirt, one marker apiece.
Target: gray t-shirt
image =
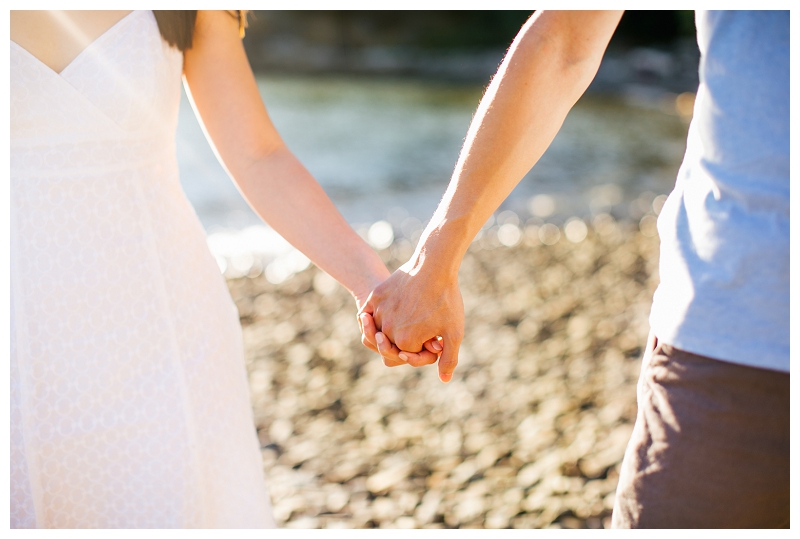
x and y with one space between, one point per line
724 230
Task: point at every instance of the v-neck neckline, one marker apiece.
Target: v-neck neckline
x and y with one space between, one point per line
83 52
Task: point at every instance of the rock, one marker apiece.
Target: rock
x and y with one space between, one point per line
405 523
337 500
428 508
384 480
384 509
304 523
466 511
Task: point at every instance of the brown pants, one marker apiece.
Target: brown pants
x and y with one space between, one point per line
710 448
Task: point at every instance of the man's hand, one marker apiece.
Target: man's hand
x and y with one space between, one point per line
547 68
412 308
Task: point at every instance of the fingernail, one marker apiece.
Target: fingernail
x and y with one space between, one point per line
437 345
445 377
379 337
403 356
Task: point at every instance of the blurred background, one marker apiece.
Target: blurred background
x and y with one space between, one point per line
376 105
557 286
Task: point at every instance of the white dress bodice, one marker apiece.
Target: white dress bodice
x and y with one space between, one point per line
129 398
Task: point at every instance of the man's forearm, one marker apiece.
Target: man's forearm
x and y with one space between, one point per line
548 67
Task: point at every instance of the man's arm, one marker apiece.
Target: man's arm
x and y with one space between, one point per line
548 67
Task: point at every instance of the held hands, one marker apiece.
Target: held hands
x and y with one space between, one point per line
392 355
415 318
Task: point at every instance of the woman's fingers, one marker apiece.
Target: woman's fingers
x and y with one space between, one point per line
390 352
434 345
419 359
392 355
368 331
429 354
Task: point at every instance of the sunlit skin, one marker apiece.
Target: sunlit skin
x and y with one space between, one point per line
223 91
58 37
548 67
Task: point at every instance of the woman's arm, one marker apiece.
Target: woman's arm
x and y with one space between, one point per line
223 91
548 67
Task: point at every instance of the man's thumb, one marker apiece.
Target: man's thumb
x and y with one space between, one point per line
449 359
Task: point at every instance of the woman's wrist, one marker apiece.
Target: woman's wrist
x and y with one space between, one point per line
372 273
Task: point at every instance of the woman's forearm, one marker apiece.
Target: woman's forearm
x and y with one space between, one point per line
290 200
223 91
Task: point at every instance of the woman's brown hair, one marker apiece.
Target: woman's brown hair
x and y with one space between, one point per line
177 26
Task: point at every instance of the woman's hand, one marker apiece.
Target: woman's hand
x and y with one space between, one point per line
223 91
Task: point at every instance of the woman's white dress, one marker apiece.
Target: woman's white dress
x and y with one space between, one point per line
129 397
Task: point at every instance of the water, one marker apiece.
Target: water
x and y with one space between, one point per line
385 149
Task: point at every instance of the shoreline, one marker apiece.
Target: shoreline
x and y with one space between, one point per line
529 434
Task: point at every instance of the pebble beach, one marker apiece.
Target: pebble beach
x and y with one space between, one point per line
529 434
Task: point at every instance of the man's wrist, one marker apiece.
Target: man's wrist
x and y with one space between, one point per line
440 250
